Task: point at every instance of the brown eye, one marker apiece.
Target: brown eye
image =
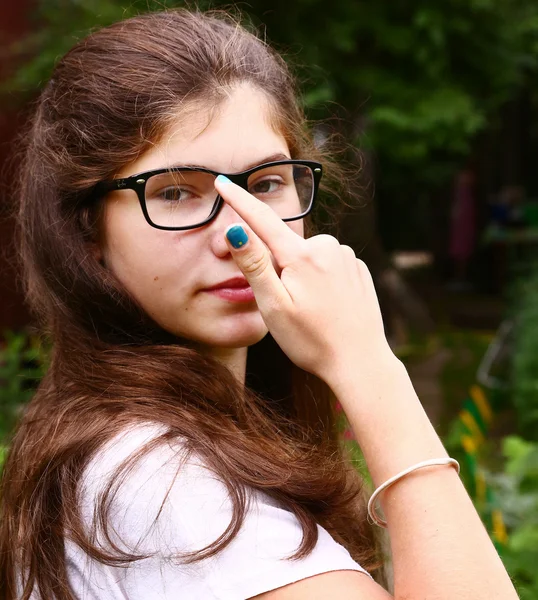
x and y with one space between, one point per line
174 194
267 186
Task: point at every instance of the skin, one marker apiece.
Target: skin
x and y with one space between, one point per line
166 271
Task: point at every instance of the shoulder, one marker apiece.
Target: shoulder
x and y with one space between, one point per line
170 503
140 486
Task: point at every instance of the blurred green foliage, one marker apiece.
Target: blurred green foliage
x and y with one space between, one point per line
509 464
525 353
23 363
516 489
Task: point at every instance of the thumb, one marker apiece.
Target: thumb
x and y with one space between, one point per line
254 260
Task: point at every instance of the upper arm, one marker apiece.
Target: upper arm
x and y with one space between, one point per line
344 585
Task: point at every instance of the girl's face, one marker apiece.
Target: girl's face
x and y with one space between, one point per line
168 272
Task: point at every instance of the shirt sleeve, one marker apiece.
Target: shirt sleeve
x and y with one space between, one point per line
196 511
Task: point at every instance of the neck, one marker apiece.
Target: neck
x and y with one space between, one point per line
233 358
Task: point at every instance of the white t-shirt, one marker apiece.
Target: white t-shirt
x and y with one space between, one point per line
197 510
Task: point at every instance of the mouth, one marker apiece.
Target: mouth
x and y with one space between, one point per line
236 289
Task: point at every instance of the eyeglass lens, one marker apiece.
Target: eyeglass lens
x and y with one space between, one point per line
182 198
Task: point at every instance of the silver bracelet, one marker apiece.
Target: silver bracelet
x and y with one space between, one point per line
376 520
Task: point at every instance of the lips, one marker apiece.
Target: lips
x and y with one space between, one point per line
234 283
234 290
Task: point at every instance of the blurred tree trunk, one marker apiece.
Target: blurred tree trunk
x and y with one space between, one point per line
14 26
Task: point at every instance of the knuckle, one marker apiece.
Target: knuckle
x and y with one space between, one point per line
348 250
363 268
255 264
325 240
319 249
326 252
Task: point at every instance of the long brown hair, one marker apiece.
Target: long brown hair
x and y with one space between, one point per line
109 99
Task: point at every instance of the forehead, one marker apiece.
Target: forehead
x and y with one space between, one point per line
229 137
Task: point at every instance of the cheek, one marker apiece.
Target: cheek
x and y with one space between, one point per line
159 268
134 251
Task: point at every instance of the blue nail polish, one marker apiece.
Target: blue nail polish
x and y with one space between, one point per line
223 179
237 235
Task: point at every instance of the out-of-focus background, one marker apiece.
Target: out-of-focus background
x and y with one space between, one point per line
440 99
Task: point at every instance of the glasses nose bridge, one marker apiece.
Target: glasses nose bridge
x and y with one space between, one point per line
240 179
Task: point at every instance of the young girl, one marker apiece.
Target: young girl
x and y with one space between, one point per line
182 443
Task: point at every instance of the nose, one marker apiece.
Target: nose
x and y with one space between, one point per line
227 215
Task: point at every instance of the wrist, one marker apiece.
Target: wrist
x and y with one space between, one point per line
381 404
363 372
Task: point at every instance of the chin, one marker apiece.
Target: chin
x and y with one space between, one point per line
233 331
238 335
240 341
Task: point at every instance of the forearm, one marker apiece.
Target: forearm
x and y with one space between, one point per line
440 548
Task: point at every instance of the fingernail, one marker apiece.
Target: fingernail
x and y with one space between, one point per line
223 179
237 236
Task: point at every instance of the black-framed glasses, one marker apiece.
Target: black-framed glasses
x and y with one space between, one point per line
185 197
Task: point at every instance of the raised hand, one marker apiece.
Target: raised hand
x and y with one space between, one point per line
319 303
317 299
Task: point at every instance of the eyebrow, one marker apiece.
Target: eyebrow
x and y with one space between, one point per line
267 159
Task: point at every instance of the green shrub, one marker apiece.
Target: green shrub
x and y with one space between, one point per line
516 491
22 364
525 354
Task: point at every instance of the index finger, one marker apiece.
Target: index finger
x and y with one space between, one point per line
263 220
